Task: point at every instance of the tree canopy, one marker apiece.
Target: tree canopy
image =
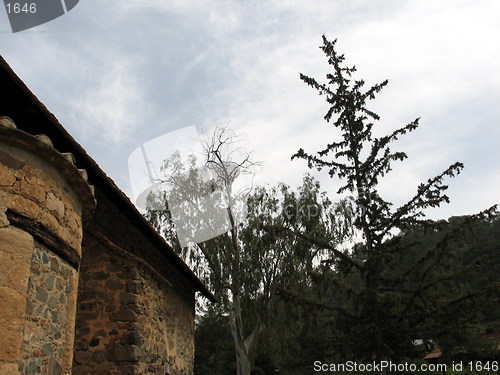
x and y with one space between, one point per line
248 255
304 277
385 304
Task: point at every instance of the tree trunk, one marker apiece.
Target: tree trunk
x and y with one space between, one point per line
243 366
242 346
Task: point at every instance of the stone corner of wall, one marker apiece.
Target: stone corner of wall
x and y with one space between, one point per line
65 162
41 186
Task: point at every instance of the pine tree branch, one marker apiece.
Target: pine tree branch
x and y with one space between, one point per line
317 242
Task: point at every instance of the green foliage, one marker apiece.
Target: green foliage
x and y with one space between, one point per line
303 325
476 263
275 262
254 261
300 295
383 298
214 350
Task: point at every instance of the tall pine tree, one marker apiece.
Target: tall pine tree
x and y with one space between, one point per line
378 312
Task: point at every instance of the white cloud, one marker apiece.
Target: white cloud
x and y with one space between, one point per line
160 5
434 55
111 111
144 63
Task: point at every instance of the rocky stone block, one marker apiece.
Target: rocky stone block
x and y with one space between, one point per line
55 205
132 338
124 353
128 298
7 177
124 316
20 205
8 368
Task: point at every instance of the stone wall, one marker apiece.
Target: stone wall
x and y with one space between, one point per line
104 319
130 286
130 319
49 319
135 309
16 247
166 326
43 198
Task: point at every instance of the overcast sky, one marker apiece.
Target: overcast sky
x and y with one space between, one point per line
119 74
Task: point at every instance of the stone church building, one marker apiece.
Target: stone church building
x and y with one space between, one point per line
86 284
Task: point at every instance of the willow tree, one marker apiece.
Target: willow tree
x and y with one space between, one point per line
384 303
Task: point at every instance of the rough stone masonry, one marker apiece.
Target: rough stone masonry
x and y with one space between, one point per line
43 198
130 318
87 286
